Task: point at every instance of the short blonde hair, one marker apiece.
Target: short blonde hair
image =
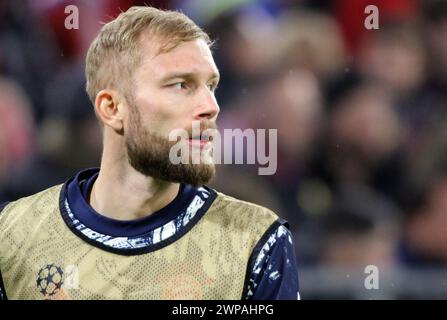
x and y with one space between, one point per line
114 53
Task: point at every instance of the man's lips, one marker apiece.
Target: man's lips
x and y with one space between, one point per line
199 142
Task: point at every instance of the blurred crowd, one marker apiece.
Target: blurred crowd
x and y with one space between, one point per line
362 145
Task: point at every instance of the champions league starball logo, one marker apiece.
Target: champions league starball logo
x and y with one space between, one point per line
50 280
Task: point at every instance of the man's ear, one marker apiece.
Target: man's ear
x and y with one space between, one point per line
108 111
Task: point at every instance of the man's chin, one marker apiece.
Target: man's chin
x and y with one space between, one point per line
193 174
197 174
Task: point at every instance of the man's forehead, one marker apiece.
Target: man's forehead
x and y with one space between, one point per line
192 56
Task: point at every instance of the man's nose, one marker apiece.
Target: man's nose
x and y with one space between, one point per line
208 107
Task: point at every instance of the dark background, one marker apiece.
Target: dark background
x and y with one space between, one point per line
360 115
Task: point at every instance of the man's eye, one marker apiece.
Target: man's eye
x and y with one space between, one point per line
178 85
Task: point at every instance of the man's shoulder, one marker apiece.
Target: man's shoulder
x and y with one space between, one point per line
25 202
3 205
243 213
225 200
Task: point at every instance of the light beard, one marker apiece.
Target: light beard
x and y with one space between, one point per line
148 153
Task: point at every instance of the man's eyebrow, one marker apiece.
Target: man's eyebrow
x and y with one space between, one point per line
187 75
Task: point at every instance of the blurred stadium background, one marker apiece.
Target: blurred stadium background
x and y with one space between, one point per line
361 118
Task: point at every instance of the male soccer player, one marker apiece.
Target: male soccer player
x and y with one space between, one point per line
140 226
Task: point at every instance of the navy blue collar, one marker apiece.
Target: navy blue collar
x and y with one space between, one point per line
78 191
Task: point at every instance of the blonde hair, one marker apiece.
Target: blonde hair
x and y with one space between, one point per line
114 53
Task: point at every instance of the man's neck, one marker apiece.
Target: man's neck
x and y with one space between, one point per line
122 193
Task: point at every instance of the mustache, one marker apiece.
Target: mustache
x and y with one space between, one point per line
204 125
